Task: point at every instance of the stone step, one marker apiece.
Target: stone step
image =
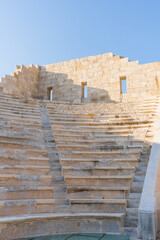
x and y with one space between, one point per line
143 164
12 161
135 196
88 138
14 117
19 111
98 205
80 222
98 141
60 195
72 114
89 192
55 118
93 132
25 170
139 178
149 103
94 117
91 137
106 181
115 162
12 109
22 192
132 212
14 97
132 232
117 124
62 200
9 180
130 221
63 209
100 154
26 152
18 103
19 129
97 115
58 178
141 171
138 134
19 137
66 115
19 119
17 114
148 108
36 153
8 96
20 145
97 171
25 124
137 187
26 206
106 127
83 147
133 203
60 189
70 119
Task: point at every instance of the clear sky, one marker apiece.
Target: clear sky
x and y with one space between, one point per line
47 31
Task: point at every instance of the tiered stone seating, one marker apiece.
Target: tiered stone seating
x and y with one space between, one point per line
104 157
33 197
86 174
25 180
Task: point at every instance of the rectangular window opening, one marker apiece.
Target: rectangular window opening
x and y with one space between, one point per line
84 90
50 93
123 83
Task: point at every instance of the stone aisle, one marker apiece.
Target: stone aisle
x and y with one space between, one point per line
60 192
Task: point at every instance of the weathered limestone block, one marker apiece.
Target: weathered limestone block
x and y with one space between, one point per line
22 82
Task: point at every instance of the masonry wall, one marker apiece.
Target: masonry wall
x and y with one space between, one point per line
102 74
22 82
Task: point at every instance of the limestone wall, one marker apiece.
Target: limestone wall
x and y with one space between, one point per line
24 81
103 74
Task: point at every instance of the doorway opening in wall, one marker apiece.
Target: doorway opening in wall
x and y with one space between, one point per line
50 93
123 85
84 89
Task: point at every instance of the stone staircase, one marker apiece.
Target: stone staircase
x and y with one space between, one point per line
60 194
149 107
104 158
67 168
25 179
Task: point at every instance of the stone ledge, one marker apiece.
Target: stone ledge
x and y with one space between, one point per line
59 215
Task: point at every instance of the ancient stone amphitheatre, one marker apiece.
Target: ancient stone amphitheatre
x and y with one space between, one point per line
79 149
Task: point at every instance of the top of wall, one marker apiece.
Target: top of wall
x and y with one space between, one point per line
109 55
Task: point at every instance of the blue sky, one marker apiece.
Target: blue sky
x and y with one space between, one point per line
48 31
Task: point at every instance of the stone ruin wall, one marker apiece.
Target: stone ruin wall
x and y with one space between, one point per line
22 82
102 74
